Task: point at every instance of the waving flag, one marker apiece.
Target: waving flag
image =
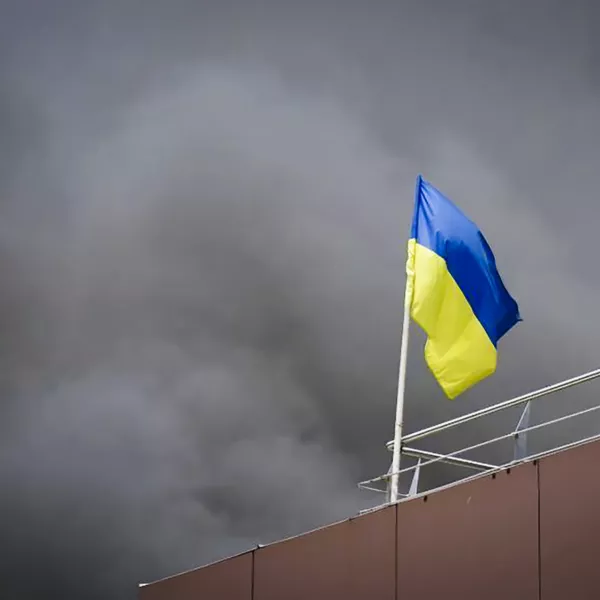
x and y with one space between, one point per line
456 293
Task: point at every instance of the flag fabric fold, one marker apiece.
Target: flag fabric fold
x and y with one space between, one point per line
455 292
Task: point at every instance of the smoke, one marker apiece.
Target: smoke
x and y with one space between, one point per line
203 216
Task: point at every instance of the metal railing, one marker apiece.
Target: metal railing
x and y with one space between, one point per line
519 435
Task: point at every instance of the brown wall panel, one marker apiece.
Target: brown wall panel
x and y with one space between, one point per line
570 524
230 579
473 541
372 556
351 560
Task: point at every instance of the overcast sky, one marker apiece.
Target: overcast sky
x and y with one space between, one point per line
204 209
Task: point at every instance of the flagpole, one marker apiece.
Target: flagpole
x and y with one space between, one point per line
400 393
408 297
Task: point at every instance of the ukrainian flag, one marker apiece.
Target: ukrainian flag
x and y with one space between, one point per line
455 292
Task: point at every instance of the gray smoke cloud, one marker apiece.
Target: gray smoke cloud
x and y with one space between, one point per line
203 217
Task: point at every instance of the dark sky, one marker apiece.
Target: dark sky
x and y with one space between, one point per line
204 208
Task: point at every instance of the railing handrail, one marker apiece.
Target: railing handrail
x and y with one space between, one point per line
557 387
441 457
453 457
533 457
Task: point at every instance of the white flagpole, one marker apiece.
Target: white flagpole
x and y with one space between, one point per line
408 298
400 397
